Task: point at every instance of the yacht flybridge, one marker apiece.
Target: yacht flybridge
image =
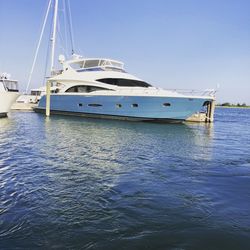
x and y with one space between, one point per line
8 93
101 88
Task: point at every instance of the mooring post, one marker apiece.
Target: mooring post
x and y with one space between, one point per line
48 84
211 113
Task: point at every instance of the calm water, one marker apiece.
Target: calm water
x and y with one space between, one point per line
74 183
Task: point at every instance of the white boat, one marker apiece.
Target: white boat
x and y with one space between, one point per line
34 96
8 93
97 87
101 88
26 102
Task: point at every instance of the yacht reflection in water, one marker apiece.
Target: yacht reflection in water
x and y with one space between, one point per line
109 139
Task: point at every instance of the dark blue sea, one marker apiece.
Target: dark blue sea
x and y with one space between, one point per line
75 183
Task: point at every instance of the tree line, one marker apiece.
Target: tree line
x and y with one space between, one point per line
228 104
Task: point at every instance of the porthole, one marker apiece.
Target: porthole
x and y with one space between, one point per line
118 105
134 105
80 105
94 105
166 104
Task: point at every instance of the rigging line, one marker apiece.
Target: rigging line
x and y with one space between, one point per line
65 27
38 46
70 27
60 38
47 55
61 30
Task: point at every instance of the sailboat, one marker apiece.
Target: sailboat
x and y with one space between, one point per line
102 88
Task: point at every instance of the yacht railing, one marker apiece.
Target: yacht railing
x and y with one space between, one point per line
193 92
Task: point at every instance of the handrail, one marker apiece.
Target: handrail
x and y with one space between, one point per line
206 92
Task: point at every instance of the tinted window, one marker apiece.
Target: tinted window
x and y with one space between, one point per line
84 89
166 104
124 82
134 105
94 105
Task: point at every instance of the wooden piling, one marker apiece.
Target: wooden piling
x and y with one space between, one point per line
210 111
48 85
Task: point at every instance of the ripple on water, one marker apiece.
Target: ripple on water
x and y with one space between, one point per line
73 183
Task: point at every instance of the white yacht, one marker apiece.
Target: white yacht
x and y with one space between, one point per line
8 93
97 87
101 88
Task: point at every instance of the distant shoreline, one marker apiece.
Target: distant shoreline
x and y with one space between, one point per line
233 107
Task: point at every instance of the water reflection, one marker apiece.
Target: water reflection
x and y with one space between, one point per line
119 139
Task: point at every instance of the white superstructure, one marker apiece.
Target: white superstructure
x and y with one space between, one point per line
8 93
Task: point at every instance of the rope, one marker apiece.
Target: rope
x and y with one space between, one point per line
38 46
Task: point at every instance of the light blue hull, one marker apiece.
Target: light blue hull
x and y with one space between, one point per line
121 107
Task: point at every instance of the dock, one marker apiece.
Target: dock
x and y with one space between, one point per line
17 106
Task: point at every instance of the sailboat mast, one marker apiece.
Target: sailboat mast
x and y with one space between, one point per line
53 39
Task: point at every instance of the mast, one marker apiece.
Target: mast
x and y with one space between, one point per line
53 39
52 68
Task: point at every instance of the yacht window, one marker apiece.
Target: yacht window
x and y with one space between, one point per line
84 89
90 69
34 92
94 88
124 82
10 85
134 105
118 105
166 104
80 104
94 105
91 63
72 89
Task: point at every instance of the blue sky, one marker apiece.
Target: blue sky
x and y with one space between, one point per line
183 44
